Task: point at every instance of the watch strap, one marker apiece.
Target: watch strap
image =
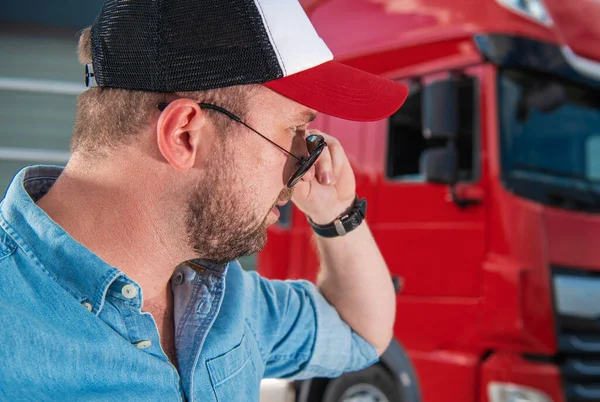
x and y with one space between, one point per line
343 224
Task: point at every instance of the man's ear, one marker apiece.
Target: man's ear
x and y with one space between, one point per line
179 129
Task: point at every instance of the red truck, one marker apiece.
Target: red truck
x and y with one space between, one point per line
483 194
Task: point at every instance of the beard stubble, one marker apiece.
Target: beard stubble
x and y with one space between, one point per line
222 223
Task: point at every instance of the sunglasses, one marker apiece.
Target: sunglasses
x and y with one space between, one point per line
315 143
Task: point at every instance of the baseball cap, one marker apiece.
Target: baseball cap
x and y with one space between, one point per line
196 45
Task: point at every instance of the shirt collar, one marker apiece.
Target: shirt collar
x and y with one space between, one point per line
200 264
78 270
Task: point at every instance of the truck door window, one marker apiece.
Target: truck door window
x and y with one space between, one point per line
406 142
405 138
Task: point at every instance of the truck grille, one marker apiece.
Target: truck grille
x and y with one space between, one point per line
577 299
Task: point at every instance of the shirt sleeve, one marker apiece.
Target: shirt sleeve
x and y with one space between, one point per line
299 333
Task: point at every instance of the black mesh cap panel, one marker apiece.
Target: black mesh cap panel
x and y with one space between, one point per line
181 45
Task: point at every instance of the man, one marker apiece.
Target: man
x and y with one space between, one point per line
193 131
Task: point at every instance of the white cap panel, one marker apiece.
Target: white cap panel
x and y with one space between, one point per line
295 40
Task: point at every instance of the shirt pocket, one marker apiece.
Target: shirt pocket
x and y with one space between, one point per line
233 375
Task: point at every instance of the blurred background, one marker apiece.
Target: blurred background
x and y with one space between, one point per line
40 79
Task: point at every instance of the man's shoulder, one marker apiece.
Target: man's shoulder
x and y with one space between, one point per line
18 273
8 264
25 285
7 247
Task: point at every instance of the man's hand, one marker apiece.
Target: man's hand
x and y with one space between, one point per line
331 190
354 277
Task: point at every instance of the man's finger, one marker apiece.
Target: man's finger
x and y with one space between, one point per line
338 158
323 165
337 154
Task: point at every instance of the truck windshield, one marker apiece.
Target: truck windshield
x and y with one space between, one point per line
550 139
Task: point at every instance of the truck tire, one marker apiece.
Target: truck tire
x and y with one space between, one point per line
373 384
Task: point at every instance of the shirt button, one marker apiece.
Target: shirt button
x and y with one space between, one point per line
129 291
178 278
143 344
88 306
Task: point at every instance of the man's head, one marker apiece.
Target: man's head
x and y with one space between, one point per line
260 60
234 177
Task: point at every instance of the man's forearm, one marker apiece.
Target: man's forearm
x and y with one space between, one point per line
355 279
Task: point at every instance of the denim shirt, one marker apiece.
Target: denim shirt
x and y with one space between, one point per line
73 328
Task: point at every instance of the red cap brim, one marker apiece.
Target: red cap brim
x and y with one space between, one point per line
342 91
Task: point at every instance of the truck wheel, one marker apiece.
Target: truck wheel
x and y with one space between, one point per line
373 384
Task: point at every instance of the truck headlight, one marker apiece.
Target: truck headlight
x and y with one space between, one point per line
507 392
531 8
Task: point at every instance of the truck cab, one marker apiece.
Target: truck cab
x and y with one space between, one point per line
483 195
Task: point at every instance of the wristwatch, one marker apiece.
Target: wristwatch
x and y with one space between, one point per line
344 223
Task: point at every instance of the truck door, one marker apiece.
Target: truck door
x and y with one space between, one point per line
428 240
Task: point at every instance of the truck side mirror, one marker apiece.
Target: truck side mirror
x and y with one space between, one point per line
440 164
440 109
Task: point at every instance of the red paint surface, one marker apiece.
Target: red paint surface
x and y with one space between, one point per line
477 287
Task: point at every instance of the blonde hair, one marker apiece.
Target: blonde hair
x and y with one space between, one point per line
108 117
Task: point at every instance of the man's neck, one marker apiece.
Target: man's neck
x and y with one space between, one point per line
119 226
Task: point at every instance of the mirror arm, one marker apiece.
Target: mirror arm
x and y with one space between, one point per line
462 203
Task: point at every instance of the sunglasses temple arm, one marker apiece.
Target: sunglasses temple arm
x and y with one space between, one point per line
234 117
283 149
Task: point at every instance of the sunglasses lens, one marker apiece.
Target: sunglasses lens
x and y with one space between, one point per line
315 144
313 141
